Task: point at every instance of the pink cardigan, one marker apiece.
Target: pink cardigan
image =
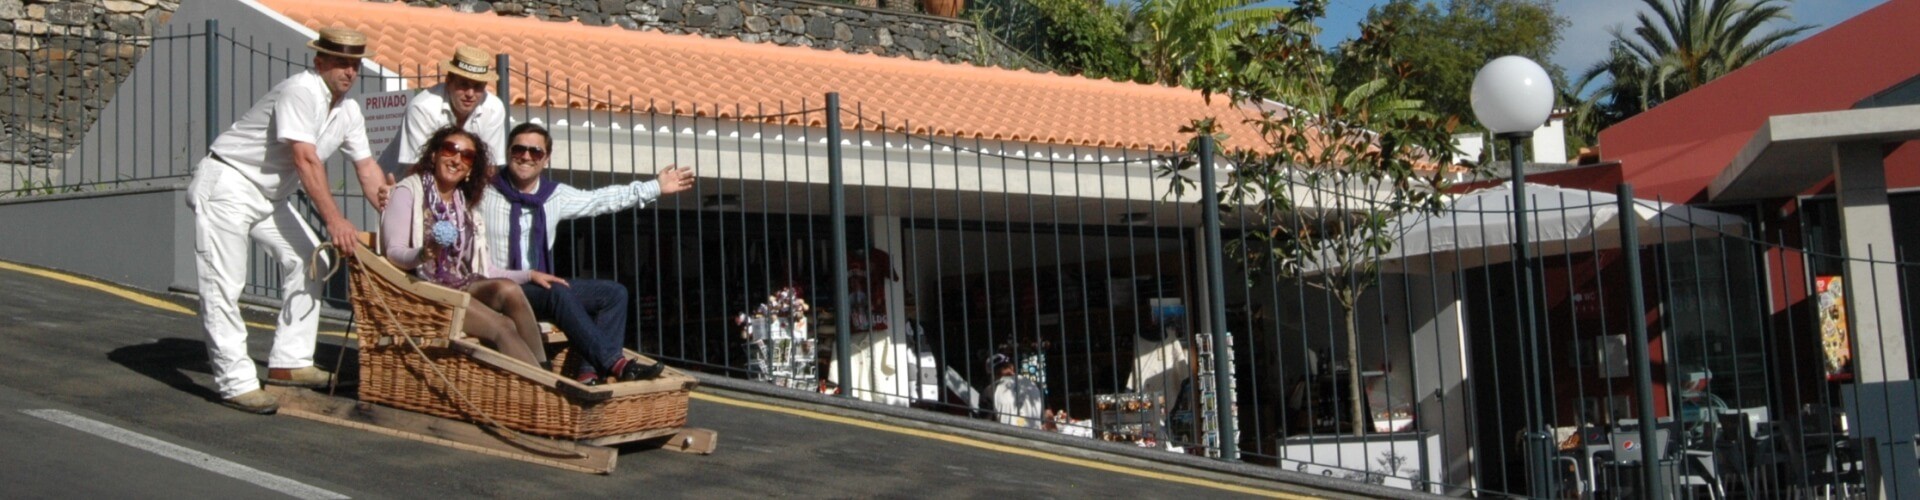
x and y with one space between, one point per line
403 216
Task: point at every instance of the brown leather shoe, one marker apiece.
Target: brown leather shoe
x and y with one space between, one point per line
256 401
309 377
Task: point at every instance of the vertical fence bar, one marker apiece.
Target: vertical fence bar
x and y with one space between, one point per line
837 200
504 66
1636 320
213 82
1217 304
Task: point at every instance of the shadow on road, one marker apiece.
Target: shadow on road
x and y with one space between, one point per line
169 361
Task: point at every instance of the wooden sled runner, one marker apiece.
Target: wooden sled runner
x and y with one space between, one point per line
421 378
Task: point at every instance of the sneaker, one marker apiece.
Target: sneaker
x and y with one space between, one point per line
586 376
631 370
309 377
255 401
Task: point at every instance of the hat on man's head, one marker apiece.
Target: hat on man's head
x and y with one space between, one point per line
996 361
471 63
342 42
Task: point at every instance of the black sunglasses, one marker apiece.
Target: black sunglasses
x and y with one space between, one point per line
533 151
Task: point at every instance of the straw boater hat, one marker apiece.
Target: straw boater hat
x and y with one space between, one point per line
341 42
471 63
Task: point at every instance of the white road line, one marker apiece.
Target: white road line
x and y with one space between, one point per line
190 457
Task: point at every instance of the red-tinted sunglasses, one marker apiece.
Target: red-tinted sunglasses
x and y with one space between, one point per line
451 151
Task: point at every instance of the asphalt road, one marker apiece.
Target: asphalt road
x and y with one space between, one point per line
108 395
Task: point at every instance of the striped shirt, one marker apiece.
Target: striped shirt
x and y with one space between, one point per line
567 202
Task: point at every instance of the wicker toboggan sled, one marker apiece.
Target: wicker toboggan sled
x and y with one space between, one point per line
422 378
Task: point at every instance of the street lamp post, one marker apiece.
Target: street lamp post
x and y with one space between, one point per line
1512 96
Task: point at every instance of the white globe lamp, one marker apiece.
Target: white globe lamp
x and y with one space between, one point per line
1512 95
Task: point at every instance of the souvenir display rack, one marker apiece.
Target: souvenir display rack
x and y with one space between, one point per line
1209 416
1131 418
780 345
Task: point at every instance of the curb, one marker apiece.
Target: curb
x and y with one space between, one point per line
1241 474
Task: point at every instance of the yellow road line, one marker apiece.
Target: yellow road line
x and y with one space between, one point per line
135 297
145 300
1012 450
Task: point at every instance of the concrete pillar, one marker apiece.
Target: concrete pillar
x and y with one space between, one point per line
1873 292
1881 398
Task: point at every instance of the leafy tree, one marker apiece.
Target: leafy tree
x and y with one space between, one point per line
1449 46
1091 37
1173 42
1335 164
1682 45
1189 42
1086 37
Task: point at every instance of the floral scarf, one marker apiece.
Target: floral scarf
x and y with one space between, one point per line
449 249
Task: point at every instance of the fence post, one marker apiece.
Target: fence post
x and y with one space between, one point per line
1217 305
213 82
502 65
837 199
1629 221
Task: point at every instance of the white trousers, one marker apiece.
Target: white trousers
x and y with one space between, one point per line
229 212
877 362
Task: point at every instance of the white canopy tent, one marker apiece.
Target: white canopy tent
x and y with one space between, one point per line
1476 229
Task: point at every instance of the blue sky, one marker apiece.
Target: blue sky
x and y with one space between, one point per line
1585 41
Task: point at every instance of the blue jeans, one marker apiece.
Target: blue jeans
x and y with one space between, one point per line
593 313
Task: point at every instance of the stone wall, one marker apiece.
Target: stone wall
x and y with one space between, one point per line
63 61
884 27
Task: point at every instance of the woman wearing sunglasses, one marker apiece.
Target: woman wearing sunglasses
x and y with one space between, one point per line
432 228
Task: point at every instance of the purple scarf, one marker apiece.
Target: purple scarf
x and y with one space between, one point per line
537 202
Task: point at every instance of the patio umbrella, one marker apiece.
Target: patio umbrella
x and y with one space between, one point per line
1476 229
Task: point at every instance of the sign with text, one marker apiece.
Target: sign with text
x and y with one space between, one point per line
386 112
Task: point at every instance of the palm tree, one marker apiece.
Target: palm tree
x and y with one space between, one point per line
1682 45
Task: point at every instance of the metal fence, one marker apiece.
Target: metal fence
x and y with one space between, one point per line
1066 288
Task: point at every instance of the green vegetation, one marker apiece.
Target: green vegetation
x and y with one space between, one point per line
1351 149
1447 47
1678 46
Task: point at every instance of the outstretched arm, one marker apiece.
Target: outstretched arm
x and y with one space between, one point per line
569 203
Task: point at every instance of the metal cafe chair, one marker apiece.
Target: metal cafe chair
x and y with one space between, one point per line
1683 468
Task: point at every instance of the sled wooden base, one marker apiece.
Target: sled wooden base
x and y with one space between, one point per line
597 456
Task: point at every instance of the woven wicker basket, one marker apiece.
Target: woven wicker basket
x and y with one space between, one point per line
389 305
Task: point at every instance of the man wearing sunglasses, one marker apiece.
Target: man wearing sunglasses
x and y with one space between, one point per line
460 101
523 221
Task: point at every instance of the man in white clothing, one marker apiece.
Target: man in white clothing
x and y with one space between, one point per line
460 101
1016 399
523 215
242 193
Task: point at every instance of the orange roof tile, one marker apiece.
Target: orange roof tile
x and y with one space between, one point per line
692 75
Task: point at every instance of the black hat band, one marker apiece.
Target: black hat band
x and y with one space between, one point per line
330 45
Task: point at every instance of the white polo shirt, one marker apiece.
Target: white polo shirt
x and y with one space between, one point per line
429 111
297 109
